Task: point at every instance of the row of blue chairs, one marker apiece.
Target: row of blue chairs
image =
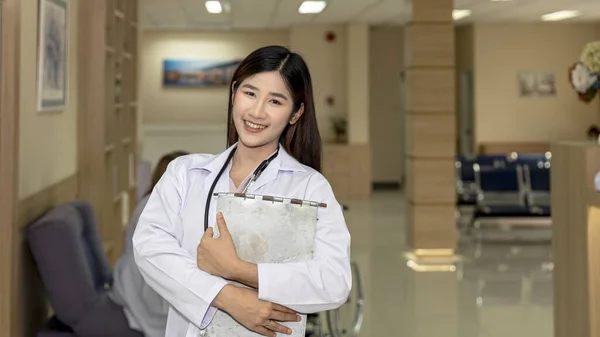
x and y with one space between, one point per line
505 185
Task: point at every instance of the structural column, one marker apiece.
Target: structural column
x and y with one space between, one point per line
430 128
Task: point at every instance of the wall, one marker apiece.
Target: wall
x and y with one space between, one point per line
47 141
387 130
327 63
194 119
500 51
192 105
47 160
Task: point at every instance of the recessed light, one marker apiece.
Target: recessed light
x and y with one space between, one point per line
458 14
560 15
214 7
312 7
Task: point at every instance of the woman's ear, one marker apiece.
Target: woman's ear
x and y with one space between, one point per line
296 115
233 91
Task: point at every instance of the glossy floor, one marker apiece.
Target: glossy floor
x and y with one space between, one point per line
497 290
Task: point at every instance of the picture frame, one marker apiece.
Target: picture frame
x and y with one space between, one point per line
52 69
198 73
536 83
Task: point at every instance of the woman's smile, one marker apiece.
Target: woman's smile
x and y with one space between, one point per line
253 127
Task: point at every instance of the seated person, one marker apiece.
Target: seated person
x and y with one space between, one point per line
146 311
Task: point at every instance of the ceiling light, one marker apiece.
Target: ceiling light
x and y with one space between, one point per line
560 15
312 7
214 7
458 14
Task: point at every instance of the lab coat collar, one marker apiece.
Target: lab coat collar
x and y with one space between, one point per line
283 162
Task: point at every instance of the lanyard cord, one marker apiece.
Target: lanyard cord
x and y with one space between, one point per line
255 176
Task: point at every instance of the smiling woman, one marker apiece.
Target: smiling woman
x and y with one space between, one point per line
274 150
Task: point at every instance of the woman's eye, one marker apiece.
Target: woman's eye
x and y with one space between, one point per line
276 102
249 93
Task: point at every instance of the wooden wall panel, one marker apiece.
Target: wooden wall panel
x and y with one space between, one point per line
430 127
347 167
576 238
109 113
431 179
9 144
508 147
432 11
432 45
433 226
431 135
430 90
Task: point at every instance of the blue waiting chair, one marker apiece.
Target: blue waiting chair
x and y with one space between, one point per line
465 180
538 189
496 161
539 160
501 192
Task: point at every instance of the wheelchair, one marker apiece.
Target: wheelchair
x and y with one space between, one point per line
344 321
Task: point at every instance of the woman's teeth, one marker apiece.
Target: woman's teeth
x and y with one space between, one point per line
255 126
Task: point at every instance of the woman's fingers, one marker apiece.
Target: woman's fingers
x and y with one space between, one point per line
274 326
281 308
208 233
284 316
265 332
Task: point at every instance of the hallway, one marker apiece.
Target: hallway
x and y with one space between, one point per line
497 290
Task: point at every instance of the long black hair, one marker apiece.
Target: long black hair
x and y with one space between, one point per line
301 140
161 167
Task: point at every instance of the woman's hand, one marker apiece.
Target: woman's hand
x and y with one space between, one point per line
217 256
259 316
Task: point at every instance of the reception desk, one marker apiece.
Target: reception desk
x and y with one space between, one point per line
576 239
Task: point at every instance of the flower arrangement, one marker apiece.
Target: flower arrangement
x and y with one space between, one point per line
585 74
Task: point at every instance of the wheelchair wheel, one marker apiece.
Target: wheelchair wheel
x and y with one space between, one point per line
346 321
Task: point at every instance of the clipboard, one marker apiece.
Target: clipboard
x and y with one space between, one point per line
265 229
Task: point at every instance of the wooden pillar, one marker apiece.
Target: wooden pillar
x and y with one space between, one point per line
576 239
10 23
430 128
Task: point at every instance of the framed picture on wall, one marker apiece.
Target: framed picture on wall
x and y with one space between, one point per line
198 73
52 55
536 83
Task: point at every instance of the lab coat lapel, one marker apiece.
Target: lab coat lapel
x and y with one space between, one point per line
221 186
268 175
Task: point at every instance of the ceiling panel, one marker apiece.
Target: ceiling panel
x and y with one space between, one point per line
343 10
195 13
383 11
252 14
163 13
287 14
532 10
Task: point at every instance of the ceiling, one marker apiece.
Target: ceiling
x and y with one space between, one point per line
274 14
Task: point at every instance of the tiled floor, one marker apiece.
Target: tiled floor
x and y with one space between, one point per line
497 290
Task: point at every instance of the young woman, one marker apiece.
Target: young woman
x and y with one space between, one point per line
146 311
271 121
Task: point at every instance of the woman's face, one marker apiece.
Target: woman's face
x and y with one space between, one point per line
262 108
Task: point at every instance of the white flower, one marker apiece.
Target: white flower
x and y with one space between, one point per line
582 79
590 56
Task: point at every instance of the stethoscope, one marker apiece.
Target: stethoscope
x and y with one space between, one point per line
254 177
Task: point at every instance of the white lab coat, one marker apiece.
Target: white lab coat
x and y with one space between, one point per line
172 224
146 311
